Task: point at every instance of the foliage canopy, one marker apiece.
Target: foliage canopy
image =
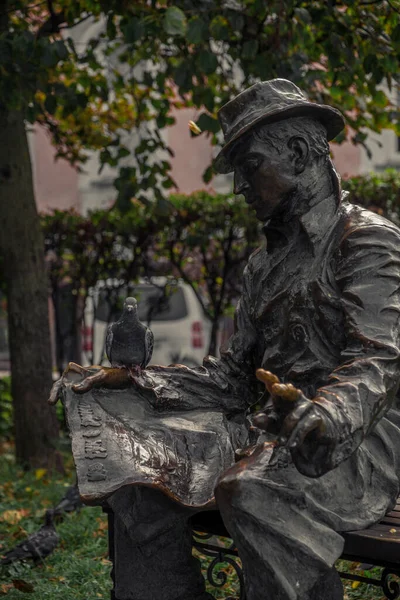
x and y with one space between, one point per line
153 56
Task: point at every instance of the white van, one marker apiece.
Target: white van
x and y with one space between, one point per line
171 309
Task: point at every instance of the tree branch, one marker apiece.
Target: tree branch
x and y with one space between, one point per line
393 7
52 25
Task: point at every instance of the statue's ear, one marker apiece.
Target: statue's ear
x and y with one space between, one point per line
301 151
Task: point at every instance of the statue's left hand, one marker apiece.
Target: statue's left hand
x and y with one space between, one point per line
94 376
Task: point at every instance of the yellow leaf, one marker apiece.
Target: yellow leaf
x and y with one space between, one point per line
40 96
393 530
40 473
14 516
8 489
355 584
194 128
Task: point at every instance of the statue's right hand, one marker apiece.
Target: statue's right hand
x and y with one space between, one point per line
94 376
283 399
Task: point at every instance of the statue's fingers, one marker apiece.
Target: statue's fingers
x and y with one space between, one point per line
265 420
55 392
287 391
268 378
90 382
75 368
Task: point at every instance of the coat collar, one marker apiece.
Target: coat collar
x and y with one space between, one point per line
320 217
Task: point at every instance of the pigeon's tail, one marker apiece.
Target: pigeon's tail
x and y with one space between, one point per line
14 555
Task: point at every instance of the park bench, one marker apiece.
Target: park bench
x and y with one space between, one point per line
378 545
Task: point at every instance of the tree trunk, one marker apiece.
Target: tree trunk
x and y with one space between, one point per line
22 258
212 348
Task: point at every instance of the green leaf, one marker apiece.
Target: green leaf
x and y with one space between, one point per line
133 30
81 100
122 152
380 99
61 49
208 62
50 56
219 28
237 21
163 207
250 49
204 96
207 123
197 31
208 174
175 21
396 33
183 75
50 104
111 29
336 93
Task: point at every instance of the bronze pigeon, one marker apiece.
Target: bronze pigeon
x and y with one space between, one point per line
129 343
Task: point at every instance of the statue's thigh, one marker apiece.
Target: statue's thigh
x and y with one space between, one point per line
352 496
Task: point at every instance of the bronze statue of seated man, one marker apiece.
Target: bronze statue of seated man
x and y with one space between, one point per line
320 310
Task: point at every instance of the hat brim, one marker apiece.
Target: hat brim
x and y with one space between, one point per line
330 117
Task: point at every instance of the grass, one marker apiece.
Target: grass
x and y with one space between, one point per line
79 568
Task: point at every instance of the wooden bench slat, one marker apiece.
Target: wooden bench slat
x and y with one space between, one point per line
378 530
393 514
394 522
374 544
378 544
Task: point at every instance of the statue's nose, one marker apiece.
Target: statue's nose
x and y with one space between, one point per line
240 184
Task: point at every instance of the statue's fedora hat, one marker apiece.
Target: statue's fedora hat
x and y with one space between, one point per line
268 102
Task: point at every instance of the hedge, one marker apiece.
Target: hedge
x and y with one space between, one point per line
204 239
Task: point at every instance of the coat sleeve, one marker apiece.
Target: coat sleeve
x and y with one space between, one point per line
363 388
227 384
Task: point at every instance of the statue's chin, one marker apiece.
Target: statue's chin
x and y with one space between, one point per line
263 213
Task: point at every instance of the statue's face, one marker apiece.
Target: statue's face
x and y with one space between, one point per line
263 175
